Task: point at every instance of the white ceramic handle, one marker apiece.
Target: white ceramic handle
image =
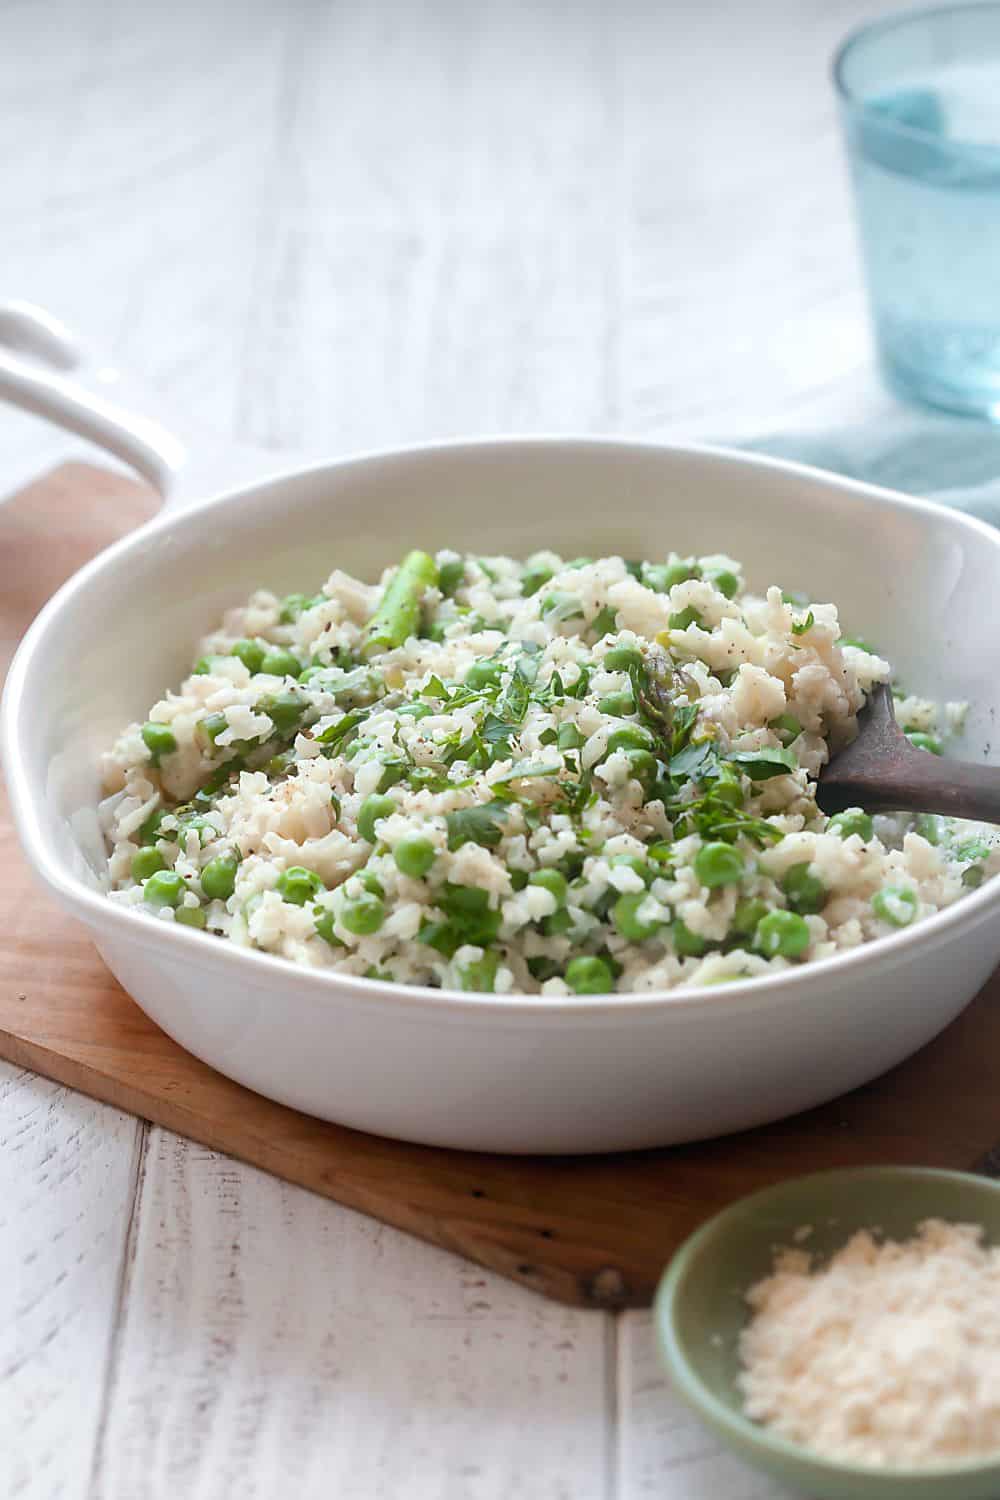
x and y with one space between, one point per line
49 374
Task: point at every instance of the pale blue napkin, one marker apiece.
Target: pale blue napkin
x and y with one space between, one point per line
951 460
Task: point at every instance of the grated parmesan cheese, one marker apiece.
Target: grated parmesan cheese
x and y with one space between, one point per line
888 1355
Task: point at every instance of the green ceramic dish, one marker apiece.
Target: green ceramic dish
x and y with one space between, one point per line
700 1311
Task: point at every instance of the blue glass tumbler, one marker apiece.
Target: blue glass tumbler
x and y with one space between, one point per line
920 103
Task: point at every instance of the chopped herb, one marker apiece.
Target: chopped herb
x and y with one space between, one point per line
761 765
527 768
476 825
693 758
334 736
604 622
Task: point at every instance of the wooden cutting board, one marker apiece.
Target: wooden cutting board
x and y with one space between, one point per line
591 1231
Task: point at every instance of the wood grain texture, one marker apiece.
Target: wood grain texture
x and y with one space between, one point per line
272 1347
68 1165
68 1169
662 1447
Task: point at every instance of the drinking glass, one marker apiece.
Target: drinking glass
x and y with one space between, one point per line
920 103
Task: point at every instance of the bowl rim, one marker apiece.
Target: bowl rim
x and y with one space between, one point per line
120 922
732 1424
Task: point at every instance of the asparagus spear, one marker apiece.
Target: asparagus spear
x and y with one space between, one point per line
398 615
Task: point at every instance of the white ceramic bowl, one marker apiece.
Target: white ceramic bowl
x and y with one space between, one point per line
511 1074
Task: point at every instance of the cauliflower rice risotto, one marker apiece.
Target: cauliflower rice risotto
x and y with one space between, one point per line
548 777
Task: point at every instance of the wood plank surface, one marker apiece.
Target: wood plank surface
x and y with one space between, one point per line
594 1232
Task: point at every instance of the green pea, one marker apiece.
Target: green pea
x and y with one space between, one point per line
625 915
323 921
805 892
787 727
895 904
687 943
726 582
534 576
278 662
568 737
373 809
414 855
681 619
218 878
451 576
292 606
551 881
655 576
852 820
718 864
284 710
589 976
629 737
748 916
479 975
205 666
363 914
297 885
212 725
643 768
484 674
146 862
973 876
924 741
680 570
159 740
782 933
164 888
250 653
191 916
617 705
623 659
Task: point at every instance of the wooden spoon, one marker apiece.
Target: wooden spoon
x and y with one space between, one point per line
882 772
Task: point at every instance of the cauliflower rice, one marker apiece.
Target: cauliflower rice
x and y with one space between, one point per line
544 777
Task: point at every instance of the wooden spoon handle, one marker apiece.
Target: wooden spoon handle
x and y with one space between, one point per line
882 772
921 782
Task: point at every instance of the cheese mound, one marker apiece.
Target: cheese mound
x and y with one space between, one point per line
888 1354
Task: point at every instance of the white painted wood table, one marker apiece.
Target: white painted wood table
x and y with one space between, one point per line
328 226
